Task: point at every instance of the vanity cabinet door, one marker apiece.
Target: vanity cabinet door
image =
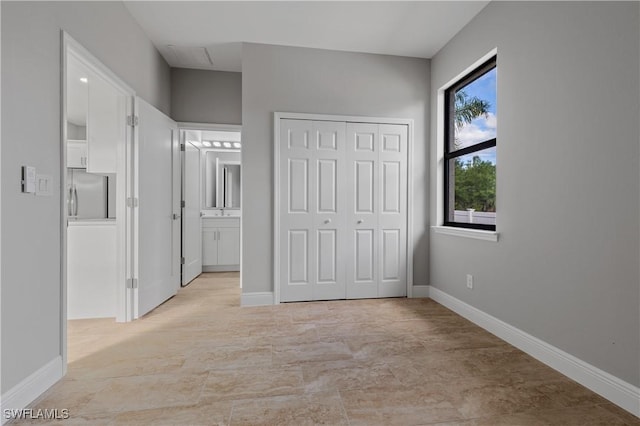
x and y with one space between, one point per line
210 246
229 241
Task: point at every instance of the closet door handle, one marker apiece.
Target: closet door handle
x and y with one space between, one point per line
360 221
327 221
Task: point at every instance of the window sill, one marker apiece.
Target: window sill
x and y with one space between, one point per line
477 234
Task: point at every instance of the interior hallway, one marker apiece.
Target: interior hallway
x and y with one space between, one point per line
200 359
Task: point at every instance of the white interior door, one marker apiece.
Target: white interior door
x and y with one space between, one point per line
158 219
363 238
376 210
191 221
342 210
392 217
312 210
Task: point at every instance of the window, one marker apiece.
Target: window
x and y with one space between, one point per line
470 150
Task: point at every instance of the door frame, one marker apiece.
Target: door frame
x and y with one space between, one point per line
277 116
184 125
69 46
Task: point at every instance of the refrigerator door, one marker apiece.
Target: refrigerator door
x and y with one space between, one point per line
89 192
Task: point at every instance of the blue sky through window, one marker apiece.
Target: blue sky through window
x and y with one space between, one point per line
481 128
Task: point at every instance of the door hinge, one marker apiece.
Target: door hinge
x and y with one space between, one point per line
132 283
132 120
182 203
182 261
132 202
183 146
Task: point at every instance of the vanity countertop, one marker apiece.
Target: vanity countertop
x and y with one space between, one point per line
217 215
91 222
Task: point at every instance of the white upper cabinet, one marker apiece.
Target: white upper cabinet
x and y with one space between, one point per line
106 125
77 154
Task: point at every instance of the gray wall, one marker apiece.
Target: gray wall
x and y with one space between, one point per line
568 141
202 96
31 52
289 79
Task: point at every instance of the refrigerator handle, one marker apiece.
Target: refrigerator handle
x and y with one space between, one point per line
70 201
75 201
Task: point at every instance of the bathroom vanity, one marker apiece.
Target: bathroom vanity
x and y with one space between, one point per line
221 211
220 243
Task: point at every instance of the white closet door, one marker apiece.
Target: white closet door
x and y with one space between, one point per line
158 224
312 210
392 216
377 210
362 210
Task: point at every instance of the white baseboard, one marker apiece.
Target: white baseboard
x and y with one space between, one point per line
608 386
420 292
28 390
257 299
221 268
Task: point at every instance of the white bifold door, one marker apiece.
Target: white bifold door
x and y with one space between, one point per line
343 210
158 213
312 210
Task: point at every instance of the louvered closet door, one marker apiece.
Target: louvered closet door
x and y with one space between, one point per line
312 210
376 210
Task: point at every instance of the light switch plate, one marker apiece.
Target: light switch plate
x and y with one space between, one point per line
28 179
44 185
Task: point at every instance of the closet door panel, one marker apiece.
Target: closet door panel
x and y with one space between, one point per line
362 209
298 255
312 210
390 254
330 213
327 256
297 179
392 219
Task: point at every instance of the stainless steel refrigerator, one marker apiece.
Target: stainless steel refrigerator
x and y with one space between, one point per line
87 195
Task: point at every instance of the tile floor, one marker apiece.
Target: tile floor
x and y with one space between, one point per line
200 359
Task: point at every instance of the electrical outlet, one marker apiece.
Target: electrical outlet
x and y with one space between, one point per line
469 281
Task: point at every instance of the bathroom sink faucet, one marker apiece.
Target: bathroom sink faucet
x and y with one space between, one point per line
221 212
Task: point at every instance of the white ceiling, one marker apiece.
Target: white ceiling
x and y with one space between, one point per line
414 28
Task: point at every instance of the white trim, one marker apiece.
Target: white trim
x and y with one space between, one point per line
410 243
28 390
493 52
420 291
347 118
477 234
184 125
221 268
438 159
262 298
608 386
72 48
277 116
276 206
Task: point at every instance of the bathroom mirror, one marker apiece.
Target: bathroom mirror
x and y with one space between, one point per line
229 173
222 177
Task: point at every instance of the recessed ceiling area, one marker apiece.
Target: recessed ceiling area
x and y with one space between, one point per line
415 28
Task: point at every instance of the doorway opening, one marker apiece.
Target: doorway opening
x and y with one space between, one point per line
96 143
212 199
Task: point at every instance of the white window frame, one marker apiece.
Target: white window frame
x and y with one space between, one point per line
438 163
